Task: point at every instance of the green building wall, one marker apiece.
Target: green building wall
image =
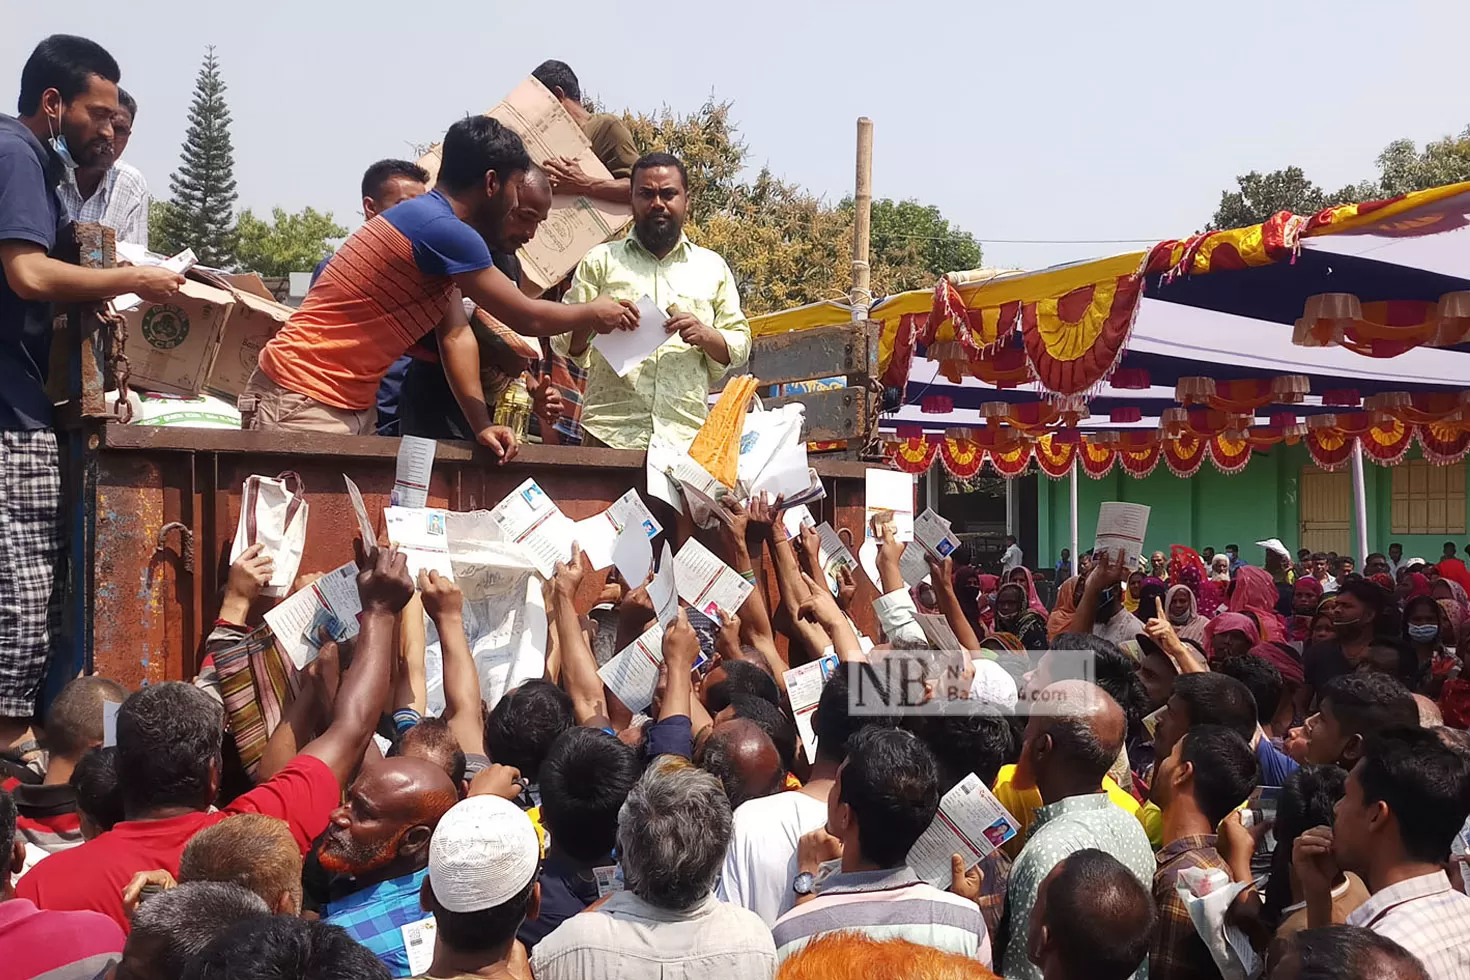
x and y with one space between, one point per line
1213 509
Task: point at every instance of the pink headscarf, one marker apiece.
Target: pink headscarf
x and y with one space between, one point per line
1032 599
1225 622
1255 593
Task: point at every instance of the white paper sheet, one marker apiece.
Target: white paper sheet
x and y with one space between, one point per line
290 621
795 518
418 941
804 688
663 590
661 456
912 564
785 473
530 519
626 349
971 822
632 676
411 477
834 554
180 263
505 626
598 534
1122 526
937 632
420 533
109 722
932 531
364 525
890 496
597 537
630 509
633 556
707 583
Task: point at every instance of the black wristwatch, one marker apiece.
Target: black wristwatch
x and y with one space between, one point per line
804 883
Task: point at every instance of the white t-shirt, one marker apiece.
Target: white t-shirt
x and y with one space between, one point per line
1123 626
761 861
1012 558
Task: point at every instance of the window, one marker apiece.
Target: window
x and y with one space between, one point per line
1428 499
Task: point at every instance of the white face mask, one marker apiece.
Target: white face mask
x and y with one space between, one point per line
1423 632
59 147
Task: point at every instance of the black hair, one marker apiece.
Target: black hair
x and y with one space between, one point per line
773 721
740 678
1448 548
1232 547
1366 704
650 160
834 724
1215 699
967 741
892 785
171 928
1075 741
66 63
168 744
275 946
524 724
1225 769
1369 593
584 781
1113 671
1426 785
1344 952
1308 798
8 816
379 173
129 104
439 746
483 929
559 75
99 793
74 720
1099 917
1260 676
476 145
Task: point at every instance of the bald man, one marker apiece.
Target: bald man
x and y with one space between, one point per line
1075 732
448 363
380 837
742 756
1341 953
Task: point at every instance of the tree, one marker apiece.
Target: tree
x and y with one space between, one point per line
200 214
160 233
785 245
1403 169
289 243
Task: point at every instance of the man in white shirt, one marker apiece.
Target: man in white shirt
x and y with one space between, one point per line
110 192
1404 802
1012 557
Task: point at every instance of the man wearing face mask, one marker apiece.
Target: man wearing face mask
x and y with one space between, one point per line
1354 620
666 394
108 191
68 99
1099 604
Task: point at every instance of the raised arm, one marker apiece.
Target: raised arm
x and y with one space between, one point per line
1106 572
411 686
385 588
578 665
755 622
941 577
463 709
819 607
459 353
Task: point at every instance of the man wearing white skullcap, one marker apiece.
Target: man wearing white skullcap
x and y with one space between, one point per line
483 864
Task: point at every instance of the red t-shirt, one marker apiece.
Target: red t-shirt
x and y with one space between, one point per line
60 945
93 876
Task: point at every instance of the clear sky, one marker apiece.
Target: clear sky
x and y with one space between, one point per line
1072 119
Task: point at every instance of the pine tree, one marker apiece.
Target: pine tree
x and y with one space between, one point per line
201 214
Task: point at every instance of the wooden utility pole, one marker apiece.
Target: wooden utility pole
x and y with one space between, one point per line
861 297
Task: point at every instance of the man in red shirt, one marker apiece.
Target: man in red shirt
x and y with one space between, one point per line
168 744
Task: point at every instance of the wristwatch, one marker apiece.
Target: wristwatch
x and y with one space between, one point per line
804 883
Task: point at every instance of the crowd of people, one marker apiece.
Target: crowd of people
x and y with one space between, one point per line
1156 734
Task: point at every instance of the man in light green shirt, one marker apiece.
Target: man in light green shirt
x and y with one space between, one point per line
668 393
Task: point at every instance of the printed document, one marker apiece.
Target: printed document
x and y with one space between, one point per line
971 822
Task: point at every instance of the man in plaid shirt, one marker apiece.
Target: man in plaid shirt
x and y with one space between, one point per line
1209 772
108 191
380 838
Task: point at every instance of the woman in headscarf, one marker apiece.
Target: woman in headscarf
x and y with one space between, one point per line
1454 570
1231 634
1131 594
1425 625
1305 596
1151 599
1013 616
1321 630
1255 593
1412 586
1059 620
1182 610
1448 588
1021 576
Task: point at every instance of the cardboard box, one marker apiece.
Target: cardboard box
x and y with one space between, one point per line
252 322
576 223
172 346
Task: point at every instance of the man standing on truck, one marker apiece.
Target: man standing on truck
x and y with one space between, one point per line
68 100
393 281
668 392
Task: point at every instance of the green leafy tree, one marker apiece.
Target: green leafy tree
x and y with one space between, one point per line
1402 168
160 225
288 243
203 188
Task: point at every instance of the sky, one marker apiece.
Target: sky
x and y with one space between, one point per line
1048 122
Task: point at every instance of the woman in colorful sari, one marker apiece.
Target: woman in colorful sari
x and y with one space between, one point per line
1255 593
1181 608
1060 619
1021 576
1231 634
1448 588
1013 616
1305 595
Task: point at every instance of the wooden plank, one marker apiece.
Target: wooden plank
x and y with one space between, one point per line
841 413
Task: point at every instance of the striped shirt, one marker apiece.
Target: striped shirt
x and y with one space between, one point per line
387 286
889 904
1428 918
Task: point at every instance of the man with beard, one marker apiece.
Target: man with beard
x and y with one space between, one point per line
401 275
68 99
380 837
667 394
1099 603
107 191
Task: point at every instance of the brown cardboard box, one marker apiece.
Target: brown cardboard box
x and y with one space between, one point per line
576 224
172 346
252 322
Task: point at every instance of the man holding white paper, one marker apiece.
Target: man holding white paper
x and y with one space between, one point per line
704 335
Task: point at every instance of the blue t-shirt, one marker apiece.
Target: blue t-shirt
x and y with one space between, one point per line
30 212
1275 764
